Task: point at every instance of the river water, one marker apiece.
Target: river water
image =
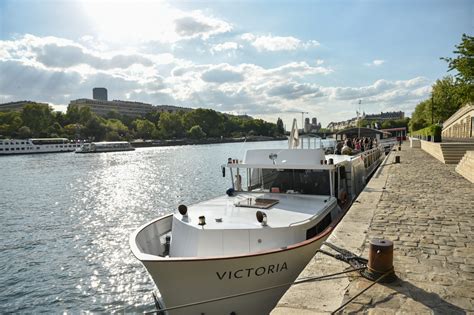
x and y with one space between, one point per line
66 219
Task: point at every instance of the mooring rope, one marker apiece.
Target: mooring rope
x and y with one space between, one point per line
362 292
358 263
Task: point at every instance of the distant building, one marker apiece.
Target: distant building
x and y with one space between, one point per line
126 108
460 126
375 118
17 106
384 116
340 125
102 108
312 126
307 125
99 94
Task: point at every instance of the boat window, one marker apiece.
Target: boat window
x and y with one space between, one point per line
311 182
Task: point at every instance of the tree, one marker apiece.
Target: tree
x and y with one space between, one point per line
95 128
419 118
55 130
196 132
280 129
72 114
60 118
145 128
74 131
446 98
37 117
210 121
113 114
24 132
116 130
170 125
153 116
463 63
10 122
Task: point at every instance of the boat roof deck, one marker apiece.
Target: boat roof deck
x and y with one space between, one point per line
291 208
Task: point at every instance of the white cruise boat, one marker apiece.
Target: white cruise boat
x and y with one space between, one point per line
38 145
112 146
239 253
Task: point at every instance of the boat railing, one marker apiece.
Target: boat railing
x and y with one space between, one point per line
371 158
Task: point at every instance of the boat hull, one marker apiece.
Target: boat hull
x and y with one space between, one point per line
250 284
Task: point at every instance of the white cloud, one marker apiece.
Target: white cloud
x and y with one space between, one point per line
277 43
222 74
198 25
57 70
227 46
375 63
123 22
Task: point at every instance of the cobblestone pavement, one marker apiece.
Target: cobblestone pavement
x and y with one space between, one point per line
427 210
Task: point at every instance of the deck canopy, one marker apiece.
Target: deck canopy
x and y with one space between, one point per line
355 132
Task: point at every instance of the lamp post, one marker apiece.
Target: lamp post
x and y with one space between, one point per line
432 108
358 120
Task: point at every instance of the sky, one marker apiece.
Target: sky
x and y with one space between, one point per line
266 59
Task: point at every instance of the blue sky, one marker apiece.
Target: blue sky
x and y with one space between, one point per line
267 59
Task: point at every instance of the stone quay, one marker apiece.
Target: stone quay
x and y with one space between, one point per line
427 210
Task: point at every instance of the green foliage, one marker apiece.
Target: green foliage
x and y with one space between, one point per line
82 123
116 130
170 125
449 93
95 129
196 132
432 130
24 132
145 129
210 121
153 116
74 131
113 114
38 118
464 61
280 128
10 122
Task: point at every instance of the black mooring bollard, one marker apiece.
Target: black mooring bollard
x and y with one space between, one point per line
397 159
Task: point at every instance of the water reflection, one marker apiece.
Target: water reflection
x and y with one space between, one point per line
66 220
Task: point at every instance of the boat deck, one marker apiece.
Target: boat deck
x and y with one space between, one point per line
225 213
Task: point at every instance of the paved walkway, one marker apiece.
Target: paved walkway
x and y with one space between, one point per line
427 209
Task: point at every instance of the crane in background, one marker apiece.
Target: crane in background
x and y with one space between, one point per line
302 119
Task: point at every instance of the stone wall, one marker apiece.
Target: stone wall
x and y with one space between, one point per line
466 166
460 124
